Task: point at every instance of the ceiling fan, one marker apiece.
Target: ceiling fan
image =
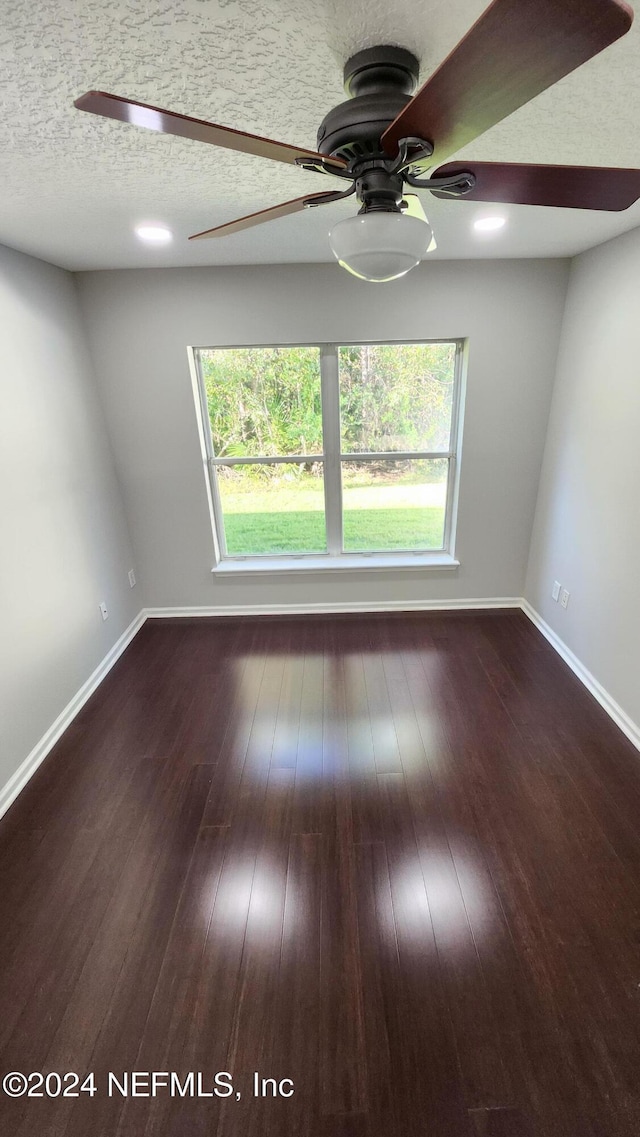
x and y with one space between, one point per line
384 137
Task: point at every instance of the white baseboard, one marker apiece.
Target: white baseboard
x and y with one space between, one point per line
613 709
353 607
25 771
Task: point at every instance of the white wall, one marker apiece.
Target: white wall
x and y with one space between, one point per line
139 324
587 526
64 539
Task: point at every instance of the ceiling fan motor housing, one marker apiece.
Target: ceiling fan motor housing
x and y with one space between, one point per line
380 81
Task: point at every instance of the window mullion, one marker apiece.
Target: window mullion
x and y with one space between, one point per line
331 433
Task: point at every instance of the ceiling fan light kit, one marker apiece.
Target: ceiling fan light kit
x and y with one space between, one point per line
380 246
384 137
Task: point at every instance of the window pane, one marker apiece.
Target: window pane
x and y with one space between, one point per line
263 400
273 509
394 505
396 397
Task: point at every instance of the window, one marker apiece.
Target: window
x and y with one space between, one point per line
329 455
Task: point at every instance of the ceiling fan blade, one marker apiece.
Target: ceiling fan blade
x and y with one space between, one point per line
294 206
169 122
415 209
414 206
565 187
514 51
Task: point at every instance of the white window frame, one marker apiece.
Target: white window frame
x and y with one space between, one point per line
334 559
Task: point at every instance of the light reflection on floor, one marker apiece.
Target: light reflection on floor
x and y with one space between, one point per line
426 898
336 735
339 715
250 898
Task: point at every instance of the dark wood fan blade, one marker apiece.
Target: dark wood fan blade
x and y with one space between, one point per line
514 51
294 206
565 187
168 122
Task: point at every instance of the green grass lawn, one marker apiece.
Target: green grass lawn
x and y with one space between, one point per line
288 516
303 532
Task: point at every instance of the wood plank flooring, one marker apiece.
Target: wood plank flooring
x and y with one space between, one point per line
393 862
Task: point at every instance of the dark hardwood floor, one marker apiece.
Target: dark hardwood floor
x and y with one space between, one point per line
395 860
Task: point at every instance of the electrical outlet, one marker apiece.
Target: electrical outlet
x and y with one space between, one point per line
132 578
555 591
564 598
103 610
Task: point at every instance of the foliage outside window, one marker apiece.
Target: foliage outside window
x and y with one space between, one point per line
331 450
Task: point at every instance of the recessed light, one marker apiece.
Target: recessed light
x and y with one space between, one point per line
154 234
489 224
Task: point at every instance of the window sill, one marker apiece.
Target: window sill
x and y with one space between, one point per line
355 562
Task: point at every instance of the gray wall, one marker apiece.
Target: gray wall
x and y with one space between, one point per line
587 526
64 538
139 324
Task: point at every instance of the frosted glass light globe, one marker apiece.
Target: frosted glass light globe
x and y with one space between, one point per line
380 246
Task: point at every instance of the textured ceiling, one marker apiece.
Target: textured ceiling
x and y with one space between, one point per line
72 185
